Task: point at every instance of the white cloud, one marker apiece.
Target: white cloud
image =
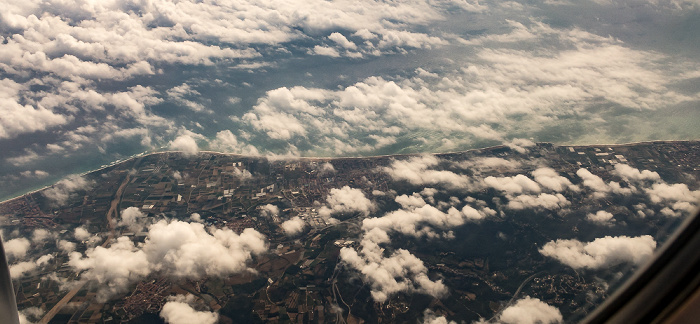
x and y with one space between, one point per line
678 195
113 268
520 145
513 185
39 174
601 217
543 201
673 199
401 271
419 219
185 144
414 200
326 169
180 95
269 210
429 317
342 41
17 248
293 226
417 170
66 246
188 250
132 218
40 235
551 180
325 51
23 118
81 234
18 270
195 217
179 310
593 182
530 311
242 174
175 248
346 200
60 192
499 94
601 252
629 173
226 141
489 163
66 56
30 315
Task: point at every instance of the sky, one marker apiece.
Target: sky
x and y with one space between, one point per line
83 84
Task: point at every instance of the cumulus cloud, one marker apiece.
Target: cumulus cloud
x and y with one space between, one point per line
18 270
81 234
195 217
325 51
18 118
678 195
175 248
293 226
418 171
179 310
60 192
180 95
326 169
526 80
63 67
113 268
601 217
530 311
629 173
132 218
513 185
414 200
185 144
30 315
40 174
500 93
66 246
551 180
425 220
17 248
673 199
40 235
541 201
601 252
269 210
489 163
429 317
346 200
520 145
387 275
242 174
595 183
188 250
226 141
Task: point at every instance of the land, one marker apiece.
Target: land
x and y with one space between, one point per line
301 279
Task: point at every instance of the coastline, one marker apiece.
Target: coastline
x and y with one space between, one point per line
312 158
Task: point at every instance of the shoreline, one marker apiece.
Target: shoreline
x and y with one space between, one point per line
145 154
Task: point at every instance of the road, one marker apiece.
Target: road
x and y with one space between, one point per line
50 314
